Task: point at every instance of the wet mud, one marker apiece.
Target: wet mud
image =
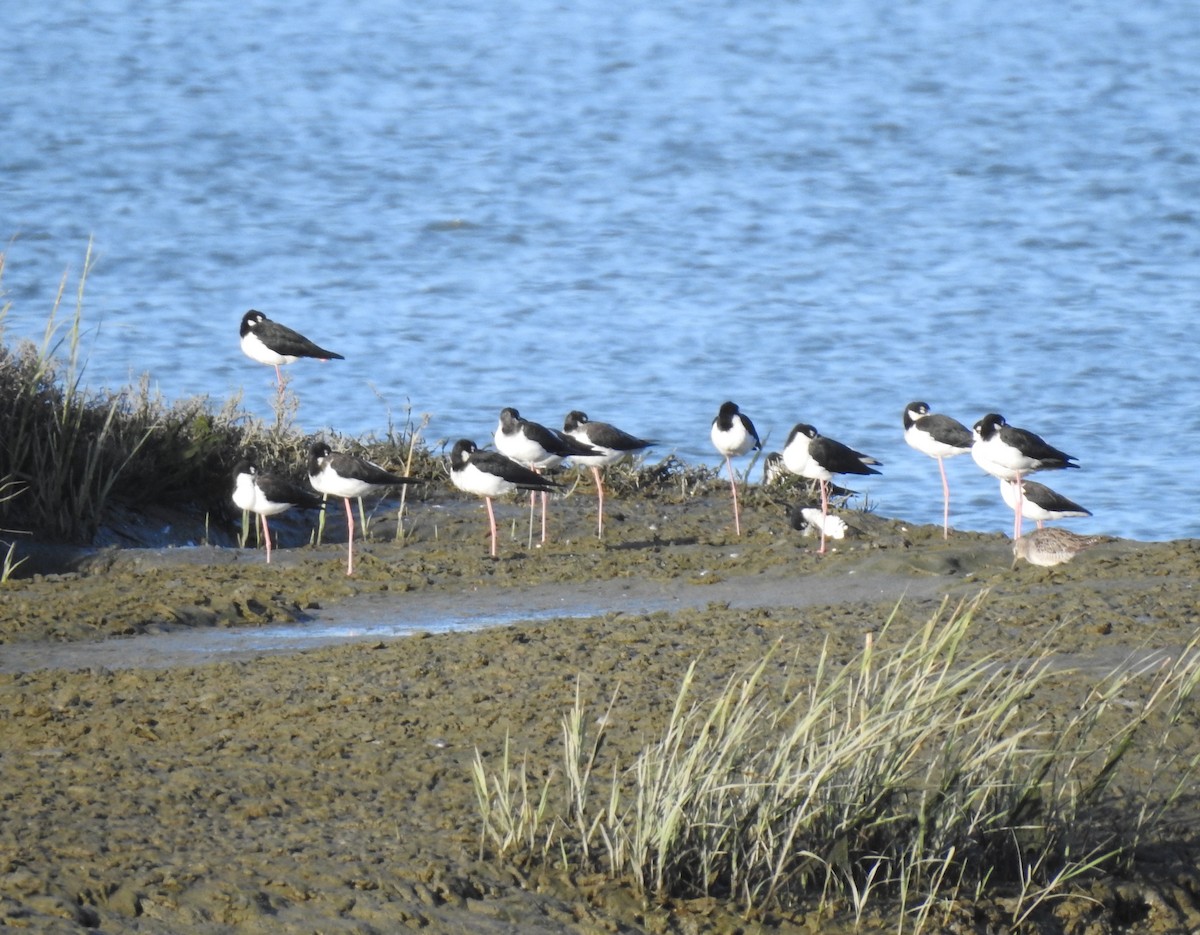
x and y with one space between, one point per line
327 789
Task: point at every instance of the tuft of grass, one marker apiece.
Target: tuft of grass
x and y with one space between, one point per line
65 447
10 563
902 782
76 456
667 477
513 816
417 460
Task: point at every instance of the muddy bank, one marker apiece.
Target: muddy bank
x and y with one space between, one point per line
329 790
444 549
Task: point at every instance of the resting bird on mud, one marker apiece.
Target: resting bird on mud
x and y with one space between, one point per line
339 474
939 437
489 474
1039 502
810 454
610 445
733 433
266 495
1011 453
1051 546
806 519
536 447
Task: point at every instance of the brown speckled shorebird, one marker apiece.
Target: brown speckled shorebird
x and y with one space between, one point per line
1051 546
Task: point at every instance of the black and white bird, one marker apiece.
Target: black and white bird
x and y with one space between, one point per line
1010 453
339 474
810 454
807 519
939 437
536 447
267 495
1039 502
733 434
773 470
271 343
611 445
489 474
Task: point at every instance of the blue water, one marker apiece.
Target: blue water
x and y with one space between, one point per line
821 211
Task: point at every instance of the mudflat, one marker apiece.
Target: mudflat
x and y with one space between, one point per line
325 785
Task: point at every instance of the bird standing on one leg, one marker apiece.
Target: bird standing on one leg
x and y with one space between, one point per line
266 495
339 474
610 444
271 343
489 474
939 437
1011 453
812 455
732 434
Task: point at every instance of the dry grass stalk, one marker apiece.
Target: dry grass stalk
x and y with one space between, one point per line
902 781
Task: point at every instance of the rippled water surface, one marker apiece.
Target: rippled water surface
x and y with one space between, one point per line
821 211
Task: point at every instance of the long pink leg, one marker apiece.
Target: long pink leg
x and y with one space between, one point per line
824 513
737 521
532 502
600 497
532 509
1018 511
267 537
491 523
350 542
945 501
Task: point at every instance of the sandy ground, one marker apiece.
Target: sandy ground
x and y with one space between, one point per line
161 771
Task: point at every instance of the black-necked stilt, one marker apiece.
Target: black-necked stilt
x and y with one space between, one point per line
271 343
732 434
939 437
807 519
776 472
489 474
338 474
1039 502
536 447
810 454
610 444
773 470
1051 546
1011 453
266 495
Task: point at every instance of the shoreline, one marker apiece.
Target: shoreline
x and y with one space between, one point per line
329 788
377 616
